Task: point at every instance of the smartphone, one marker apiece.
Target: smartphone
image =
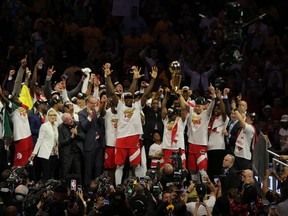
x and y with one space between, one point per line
270 167
106 202
64 76
79 187
216 179
141 180
73 184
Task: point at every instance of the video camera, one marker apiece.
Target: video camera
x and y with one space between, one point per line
178 169
154 174
103 189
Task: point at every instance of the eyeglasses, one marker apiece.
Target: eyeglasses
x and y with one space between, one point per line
52 115
94 103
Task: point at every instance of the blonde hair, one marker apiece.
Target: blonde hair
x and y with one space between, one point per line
51 112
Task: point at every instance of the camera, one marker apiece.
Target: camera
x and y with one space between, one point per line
154 174
103 186
178 172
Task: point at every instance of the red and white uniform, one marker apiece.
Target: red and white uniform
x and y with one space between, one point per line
154 150
111 121
173 138
129 120
198 137
128 130
22 135
245 139
216 139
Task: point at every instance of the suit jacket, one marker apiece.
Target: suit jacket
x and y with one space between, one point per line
230 179
150 121
94 130
234 133
65 140
35 122
45 142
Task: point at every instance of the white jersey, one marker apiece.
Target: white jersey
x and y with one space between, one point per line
244 141
198 125
111 121
216 139
153 150
129 120
173 135
19 117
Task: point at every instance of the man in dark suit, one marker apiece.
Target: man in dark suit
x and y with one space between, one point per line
229 178
93 127
71 137
153 121
231 133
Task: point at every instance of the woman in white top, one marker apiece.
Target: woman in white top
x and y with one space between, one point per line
46 147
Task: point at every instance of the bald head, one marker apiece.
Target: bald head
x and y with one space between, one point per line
21 191
243 107
168 168
67 119
247 176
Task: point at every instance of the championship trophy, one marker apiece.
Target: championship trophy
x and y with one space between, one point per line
175 69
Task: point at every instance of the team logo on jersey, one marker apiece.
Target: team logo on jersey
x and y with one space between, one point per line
22 111
19 156
128 112
196 120
114 123
170 125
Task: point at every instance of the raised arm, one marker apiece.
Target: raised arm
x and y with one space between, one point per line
164 103
213 96
19 77
3 98
76 90
222 105
136 77
38 66
238 114
47 87
110 86
150 87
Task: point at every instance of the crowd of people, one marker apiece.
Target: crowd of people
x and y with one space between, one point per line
117 134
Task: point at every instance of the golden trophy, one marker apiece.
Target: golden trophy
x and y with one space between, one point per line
175 69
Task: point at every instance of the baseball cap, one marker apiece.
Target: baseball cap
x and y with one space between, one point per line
101 87
67 103
38 102
116 83
74 100
137 93
200 101
252 116
55 100
185 88
284 118
128 95
81 96
55 93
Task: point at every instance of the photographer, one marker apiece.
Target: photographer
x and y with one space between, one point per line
177 205
171 176
142 202
118 205
56 205
206 204
163 203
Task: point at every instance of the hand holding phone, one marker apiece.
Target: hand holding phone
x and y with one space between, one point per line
73 184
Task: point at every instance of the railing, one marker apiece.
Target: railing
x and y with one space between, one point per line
275 163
